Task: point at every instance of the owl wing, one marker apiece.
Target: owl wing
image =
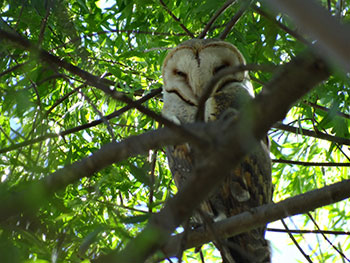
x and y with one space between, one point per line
180 160
248 185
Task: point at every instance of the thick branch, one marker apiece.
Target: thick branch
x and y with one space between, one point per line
29 196
261 216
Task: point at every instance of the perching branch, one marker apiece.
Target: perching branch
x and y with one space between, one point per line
261 216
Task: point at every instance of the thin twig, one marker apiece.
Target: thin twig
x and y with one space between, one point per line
60 100
152 181
234 20
100 84
99 113
328 164
153 33
17 66
314 105
214 17
282 26
324 236
81 127
319 135
176 19
44 23
296 243
296 231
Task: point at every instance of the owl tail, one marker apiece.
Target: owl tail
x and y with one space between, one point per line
250 247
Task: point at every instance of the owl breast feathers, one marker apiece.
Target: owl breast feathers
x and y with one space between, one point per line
186 71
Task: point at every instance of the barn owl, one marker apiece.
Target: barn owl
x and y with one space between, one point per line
186 71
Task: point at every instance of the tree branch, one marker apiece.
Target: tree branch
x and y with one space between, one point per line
319 135
81 127
311 163
176 19
214 17
316 106
28 197
97 83
333 38
261 216
304 231
234 20
282 26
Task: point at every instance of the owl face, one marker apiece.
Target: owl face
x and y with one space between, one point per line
189 67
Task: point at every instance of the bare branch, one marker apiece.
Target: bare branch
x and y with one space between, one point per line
333 38
319 135
214 17
311 163
307 257
303 231
324 236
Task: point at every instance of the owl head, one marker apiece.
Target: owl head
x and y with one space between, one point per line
190 66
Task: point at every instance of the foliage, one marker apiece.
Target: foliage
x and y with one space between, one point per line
126 42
